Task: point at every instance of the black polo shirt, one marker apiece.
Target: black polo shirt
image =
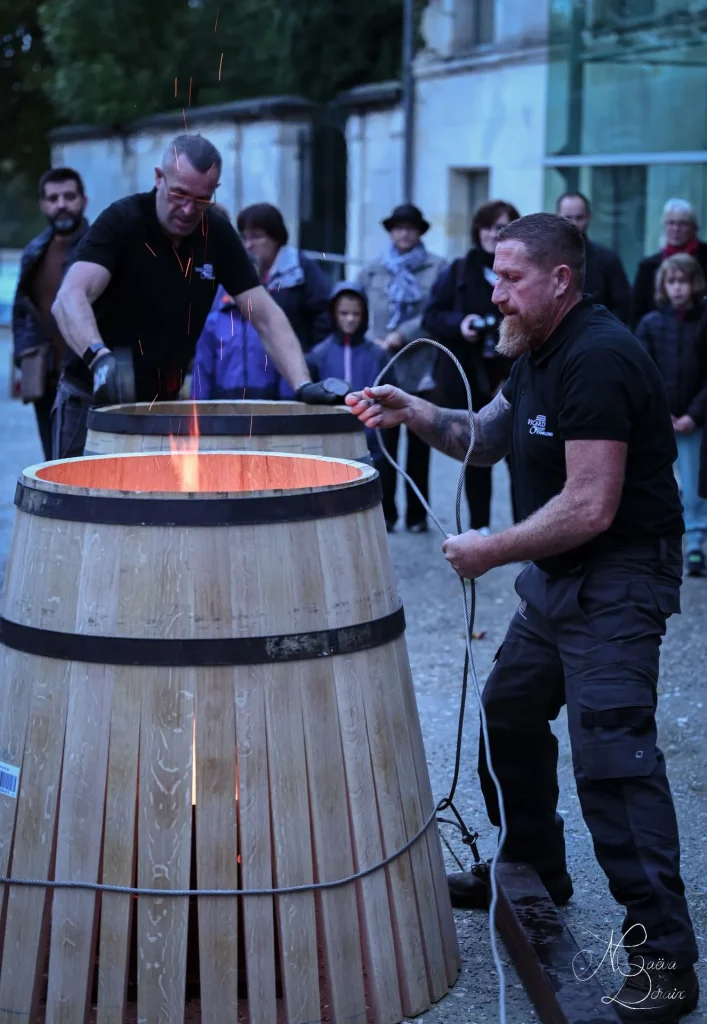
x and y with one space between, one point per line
159 295
592 379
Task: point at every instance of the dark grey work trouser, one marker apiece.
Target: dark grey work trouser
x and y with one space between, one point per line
590 638
70 419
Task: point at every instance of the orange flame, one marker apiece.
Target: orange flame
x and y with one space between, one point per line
186 450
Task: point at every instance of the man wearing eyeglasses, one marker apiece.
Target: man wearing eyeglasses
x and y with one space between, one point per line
143 281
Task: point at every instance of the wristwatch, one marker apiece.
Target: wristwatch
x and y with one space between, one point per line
92 351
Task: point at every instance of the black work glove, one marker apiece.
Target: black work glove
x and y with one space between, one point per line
330 391
106 387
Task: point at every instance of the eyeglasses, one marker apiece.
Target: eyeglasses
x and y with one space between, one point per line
182 198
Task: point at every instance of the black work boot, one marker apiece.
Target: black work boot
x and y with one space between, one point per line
471 890
651 996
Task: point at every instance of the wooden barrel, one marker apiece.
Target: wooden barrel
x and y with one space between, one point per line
227 426
240 646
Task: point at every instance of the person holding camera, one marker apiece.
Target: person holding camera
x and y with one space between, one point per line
461 315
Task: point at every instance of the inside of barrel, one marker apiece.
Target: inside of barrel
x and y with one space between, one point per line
222 472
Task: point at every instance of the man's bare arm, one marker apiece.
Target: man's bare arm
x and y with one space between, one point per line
584 508
279 340
72 307
448 429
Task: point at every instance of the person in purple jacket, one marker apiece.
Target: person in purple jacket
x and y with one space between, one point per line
230 361
347 354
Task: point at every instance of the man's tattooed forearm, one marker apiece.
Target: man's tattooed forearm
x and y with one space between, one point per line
448 430
493 432
452 432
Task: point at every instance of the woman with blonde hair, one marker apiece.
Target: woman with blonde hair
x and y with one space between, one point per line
672 337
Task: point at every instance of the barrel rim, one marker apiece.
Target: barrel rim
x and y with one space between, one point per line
108 420
202 652
52 500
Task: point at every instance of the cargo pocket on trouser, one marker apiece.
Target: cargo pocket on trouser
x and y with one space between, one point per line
616 742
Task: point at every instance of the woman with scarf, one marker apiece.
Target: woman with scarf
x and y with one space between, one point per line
680 234
463 317
294 281
397 286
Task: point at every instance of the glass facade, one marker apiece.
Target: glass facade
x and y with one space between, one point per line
627 113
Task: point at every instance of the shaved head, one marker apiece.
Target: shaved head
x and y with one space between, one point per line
201 154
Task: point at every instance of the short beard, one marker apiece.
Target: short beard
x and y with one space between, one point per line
516 335
66 224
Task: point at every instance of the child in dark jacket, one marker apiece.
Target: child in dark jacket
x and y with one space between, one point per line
230 361
672 337
346 353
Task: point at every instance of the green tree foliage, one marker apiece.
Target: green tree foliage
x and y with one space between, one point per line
118 59
26 114
105 62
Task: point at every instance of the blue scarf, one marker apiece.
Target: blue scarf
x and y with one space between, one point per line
286 271
404 292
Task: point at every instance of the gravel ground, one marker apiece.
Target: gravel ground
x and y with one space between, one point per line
432 600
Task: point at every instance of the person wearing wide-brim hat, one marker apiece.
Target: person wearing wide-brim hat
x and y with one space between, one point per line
397 286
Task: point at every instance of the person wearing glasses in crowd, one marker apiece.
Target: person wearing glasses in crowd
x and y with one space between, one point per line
144 279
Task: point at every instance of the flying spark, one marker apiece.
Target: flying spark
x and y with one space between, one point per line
221 340
217 14
151 250
251 426
188 265
185 121
153 401
220 65
189 103
177 255
140 344
176 157
175 88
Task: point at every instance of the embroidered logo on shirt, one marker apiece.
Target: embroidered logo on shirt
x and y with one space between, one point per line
206 273
538 425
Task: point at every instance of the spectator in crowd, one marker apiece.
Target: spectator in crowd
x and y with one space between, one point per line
671 334
462 315
38 344
680 229
294 281
347 354
397 286
605 278
230 361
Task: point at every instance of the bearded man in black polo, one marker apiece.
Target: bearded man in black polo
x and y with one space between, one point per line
586 419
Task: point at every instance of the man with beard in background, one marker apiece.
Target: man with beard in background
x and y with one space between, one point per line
586 418
38 343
